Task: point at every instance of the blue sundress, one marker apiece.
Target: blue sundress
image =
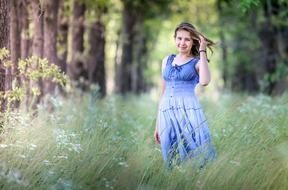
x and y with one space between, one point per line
183 128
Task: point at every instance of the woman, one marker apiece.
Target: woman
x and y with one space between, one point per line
181 127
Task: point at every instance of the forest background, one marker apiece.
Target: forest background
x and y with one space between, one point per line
88 71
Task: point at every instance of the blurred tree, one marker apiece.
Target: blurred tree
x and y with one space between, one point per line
4 40
240 49
77 68
38 39
135 36
254 45
273 33
98 9
51 9
63 26
123 73
223 44
24 23
37 46
15 38
12 73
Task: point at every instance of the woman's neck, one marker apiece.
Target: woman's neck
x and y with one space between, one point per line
184 55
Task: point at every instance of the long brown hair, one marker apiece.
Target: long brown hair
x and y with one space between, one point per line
195 37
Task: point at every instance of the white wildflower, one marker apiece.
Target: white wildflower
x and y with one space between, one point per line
22 156
3 145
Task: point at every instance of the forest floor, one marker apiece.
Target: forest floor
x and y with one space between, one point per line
108 144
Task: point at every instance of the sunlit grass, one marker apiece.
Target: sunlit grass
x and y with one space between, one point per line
91 144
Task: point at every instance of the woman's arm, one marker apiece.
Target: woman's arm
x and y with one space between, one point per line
202 65
162 89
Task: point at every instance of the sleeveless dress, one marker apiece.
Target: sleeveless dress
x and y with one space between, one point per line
183 128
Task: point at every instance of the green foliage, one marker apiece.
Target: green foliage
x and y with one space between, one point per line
247 5
280 75
34 68
30 70
108 144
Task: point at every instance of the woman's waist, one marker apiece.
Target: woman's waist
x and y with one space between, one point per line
179 92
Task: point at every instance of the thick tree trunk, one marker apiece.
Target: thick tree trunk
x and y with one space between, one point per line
268 35
37 47
15 47
50 37
25 41
243 78
223 45
63 38
38 38
139 63
117 59
24 29
77 67
4 40
124 82
96 64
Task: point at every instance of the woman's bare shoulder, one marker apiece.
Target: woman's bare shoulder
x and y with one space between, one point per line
164 62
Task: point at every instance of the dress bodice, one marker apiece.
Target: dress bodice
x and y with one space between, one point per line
180 79
184 72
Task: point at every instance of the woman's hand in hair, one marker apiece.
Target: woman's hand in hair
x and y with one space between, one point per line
202 42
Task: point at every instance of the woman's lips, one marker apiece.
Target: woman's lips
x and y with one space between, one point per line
182 47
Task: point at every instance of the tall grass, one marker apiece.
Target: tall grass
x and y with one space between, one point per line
108 144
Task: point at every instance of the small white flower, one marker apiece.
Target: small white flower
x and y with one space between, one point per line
22 156
62 157
237 163
46 162
3 145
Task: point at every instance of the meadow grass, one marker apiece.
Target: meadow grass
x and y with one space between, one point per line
86 143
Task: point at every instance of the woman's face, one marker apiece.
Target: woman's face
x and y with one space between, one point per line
183 41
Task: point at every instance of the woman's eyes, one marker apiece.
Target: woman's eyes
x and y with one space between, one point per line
186 39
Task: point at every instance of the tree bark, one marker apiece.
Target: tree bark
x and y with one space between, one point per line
50 37
96 64
37 48
77 67
63 38
24 29
38 38
15 48
4 40
140 61
268 35
124 82
223 45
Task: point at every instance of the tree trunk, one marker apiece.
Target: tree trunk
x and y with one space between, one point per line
50 37
4 38
37 48
140 61
223 45
124 82
96 64
243 78
117 59
25 41
38 38
24 29
15 47
77 67
63 38
268 36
